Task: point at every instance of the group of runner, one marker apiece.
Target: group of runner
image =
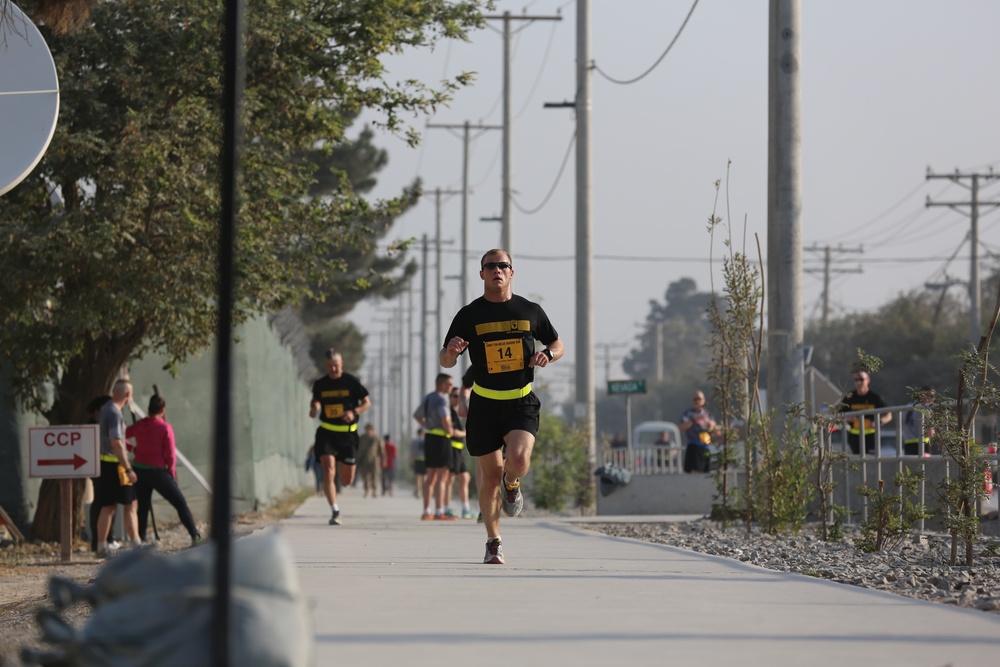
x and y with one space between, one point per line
506 337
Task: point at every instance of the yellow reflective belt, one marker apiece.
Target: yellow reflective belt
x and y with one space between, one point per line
110 458
337 427
437 431
458 444
502 395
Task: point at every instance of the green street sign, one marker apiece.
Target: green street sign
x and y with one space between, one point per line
617 387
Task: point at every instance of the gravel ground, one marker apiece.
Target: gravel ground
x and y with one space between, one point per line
916 569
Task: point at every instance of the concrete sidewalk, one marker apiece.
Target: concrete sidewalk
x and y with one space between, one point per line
389 589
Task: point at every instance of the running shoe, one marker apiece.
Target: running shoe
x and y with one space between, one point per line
445 517
335 519
480 519
511 498
467 514
450 512
494 553
426 516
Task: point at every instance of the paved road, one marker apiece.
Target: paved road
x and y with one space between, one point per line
388 589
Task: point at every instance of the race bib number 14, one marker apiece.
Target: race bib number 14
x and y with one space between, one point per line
505 355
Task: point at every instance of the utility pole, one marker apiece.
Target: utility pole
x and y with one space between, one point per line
438 192
607 357
423 318
464 276
507 234
785 382
975 298
827 270
585 400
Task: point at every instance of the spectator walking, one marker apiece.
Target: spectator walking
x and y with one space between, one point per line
389 469
371 458
155 467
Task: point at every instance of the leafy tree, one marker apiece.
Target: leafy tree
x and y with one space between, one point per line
915 347
109 246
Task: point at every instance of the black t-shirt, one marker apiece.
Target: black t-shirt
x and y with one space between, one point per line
502 339
337 397
871 401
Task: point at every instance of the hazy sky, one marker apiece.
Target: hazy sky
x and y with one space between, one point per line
889 88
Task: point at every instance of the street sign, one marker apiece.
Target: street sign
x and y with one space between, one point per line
616 387
64 452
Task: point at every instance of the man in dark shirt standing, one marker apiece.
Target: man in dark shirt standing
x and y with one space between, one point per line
863 398
338 399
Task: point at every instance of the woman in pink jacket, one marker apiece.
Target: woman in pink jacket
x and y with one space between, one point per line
155 465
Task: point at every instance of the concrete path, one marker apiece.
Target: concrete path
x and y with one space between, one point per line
389 589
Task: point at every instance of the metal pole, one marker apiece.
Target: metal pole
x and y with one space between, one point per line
409 361
507 232
232 130
465 224
423 322
584 231
975 298
437 261
784 225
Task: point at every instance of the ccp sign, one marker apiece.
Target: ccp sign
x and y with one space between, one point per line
58 452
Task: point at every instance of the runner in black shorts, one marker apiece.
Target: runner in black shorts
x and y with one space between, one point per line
434 415
459 471
338 399
500 331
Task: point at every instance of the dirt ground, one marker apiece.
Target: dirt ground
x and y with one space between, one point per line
25 570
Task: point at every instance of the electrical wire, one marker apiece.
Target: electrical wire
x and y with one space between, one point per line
864 225
541 70
562 168
658 60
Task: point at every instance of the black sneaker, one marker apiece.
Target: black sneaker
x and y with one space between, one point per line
335 519
494 554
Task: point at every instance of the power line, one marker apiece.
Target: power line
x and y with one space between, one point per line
562 168
658 60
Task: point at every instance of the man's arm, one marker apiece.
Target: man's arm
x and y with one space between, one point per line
118 447
541 360
362 407
449 354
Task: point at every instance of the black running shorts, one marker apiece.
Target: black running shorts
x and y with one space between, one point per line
490 420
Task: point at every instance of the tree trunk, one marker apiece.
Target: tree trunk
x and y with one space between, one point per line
87 375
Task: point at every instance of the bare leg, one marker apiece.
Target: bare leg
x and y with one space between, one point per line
490 469
130 517
327 462
347 474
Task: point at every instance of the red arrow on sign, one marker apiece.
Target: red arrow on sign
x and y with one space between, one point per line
76 462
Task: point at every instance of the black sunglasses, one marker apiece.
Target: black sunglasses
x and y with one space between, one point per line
489 266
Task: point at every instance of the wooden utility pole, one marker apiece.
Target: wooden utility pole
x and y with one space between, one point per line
828 269
975 299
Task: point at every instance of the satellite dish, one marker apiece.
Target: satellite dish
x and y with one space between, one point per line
29 97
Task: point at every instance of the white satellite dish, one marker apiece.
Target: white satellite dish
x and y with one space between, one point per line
29 97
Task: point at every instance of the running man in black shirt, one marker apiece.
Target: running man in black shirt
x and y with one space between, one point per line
500 330
338 399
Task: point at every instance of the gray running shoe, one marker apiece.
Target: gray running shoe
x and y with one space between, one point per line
511 499
494 554
335 519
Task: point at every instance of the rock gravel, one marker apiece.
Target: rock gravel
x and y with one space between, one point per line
918 568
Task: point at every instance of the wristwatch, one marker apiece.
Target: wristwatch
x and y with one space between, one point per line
548 353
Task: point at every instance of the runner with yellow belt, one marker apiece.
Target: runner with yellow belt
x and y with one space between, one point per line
459 471
434 415
338 399
500 330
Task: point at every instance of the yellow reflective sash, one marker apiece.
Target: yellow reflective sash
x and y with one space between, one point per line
458 444
437 431
339 428
502 395
110 458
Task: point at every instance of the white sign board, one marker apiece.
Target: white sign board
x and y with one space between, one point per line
59 452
